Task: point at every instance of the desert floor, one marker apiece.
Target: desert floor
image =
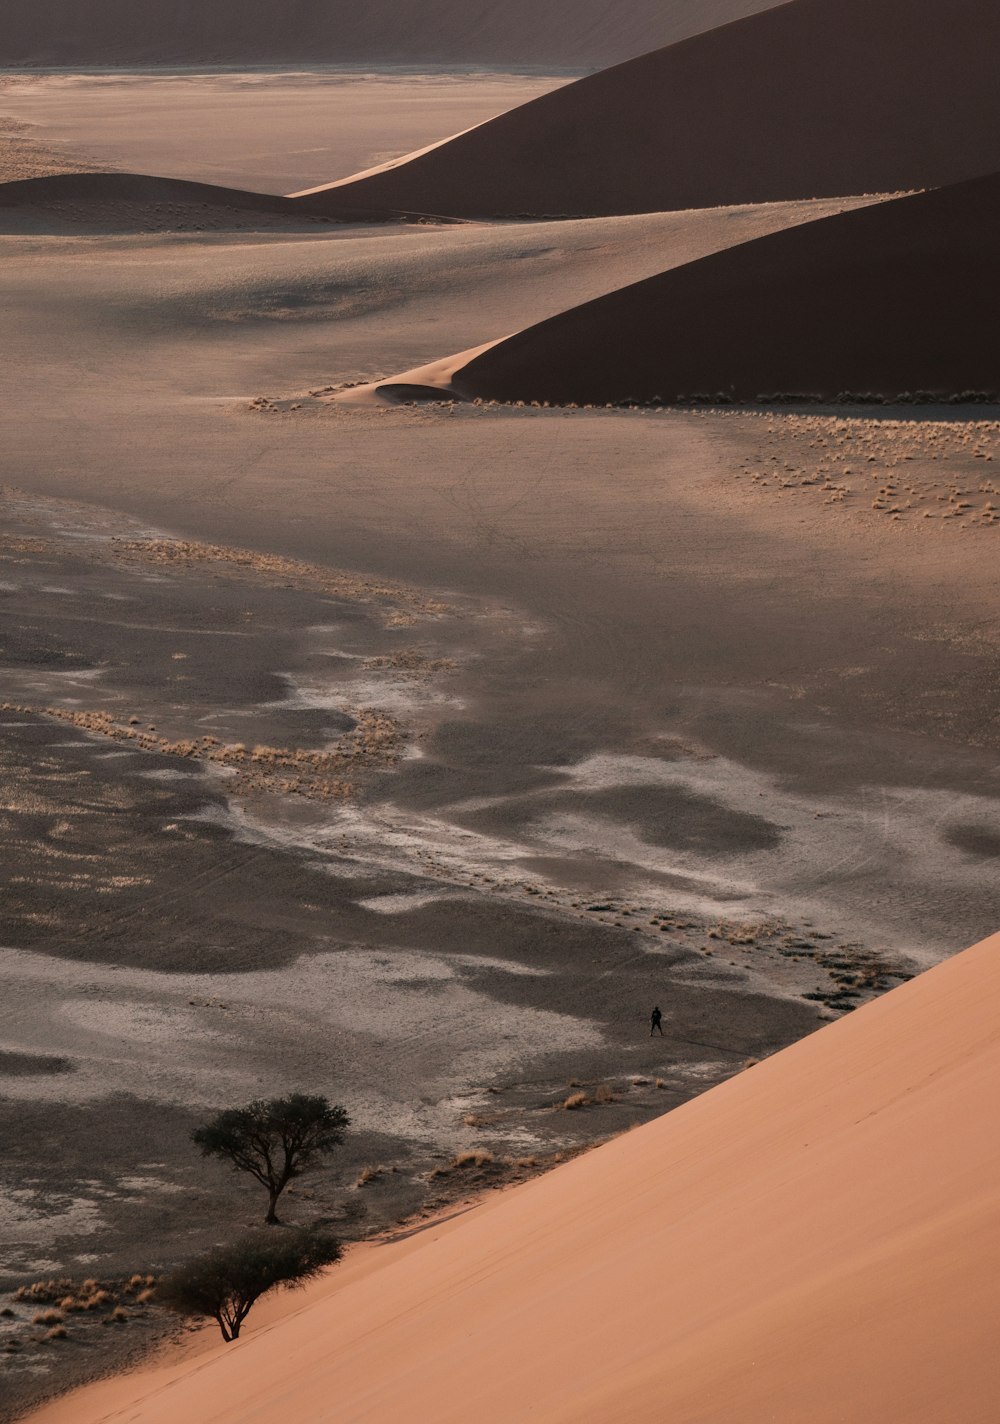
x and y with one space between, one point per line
410 754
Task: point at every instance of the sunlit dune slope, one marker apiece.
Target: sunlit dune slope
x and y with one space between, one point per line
815 1239
903 296
582 33
812 98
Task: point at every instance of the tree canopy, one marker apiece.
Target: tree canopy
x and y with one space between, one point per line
275 1141
224 1284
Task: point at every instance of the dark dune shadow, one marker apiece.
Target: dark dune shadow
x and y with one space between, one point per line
839 310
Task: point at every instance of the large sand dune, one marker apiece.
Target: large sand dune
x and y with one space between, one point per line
517 32
812 98
815 1239
841 305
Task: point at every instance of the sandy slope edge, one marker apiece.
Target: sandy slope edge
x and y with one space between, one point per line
814 1239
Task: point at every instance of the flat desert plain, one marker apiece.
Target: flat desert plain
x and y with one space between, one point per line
409 753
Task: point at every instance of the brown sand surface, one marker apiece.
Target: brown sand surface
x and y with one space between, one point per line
582 33
462 734
840 306
813 1239
811 98
266 130
24 155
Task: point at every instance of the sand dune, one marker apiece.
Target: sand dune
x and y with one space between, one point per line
813 1240
128 202
844 304
581 33
815 97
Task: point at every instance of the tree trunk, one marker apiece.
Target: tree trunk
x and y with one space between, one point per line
271 1219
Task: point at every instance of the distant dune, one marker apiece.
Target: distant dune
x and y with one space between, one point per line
139 202
562 33
812 98
814 1240
902 296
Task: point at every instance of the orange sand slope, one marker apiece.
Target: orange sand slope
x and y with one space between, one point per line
813 98
842 304
580 33
814 1240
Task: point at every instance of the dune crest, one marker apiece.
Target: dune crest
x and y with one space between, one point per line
813 1239
813 98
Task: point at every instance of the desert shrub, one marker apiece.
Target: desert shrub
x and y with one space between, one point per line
574 1101
223 1285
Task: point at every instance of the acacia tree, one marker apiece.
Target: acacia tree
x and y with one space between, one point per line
274 1141
224 1284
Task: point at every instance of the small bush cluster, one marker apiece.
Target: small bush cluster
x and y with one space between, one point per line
58 1300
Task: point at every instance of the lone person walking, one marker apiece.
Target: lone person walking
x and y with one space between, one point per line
656 1022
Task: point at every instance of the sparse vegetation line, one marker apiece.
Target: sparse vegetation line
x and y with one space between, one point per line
375 741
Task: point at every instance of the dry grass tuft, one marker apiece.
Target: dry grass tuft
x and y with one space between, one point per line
480 1157
574 1101
368 1174
58 1332
47 1317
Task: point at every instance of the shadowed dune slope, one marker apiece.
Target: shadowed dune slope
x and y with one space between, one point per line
138 201
813 1240
813 98
566 33
900 297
